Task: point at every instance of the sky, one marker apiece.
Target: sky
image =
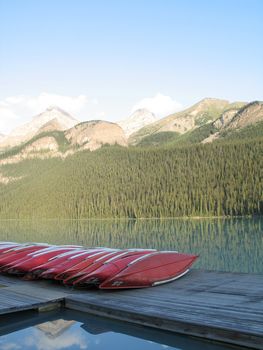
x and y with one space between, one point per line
102 59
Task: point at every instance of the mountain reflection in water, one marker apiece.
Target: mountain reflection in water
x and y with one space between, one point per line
74 330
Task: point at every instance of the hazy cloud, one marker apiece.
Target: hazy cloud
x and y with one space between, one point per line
161 105
9 346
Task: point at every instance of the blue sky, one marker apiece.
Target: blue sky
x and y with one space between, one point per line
107 56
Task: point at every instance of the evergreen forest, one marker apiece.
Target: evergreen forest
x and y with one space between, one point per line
218 179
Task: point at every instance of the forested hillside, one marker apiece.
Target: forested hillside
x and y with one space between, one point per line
222 178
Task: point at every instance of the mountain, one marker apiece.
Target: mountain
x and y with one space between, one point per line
203 112
51 125
250 114
50 143
95 133
137 120
205 122
63 118
245 122
27 131
54 329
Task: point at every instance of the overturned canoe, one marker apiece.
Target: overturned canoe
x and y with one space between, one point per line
35 259
151 270
101 270
106 268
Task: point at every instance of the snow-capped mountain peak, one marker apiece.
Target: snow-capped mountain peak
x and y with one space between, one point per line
138 119
52 112
28 130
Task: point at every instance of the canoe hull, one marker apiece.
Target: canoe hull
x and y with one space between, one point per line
151 271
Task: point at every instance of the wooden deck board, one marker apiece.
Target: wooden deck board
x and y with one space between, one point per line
215 305
18 295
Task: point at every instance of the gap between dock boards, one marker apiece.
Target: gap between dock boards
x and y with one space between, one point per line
226 307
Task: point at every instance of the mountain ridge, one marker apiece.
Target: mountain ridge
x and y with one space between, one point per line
89 135
207 121
28 130
201 113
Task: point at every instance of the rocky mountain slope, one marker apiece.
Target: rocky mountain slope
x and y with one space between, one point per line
238 120
89 135
53 114
93 134
137 120
203 112
233 122
249 114
51 125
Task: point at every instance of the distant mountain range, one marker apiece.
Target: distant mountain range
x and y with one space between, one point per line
200 114
55 133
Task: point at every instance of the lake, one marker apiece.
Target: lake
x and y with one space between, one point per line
229 244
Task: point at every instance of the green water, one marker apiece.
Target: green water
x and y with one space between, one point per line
223 244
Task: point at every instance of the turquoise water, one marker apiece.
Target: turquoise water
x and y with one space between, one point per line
234 245
71 330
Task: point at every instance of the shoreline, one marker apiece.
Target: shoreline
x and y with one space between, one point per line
139 218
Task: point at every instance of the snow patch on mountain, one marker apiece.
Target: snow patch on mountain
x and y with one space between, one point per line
137 120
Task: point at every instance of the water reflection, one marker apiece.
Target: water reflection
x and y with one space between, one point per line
75 330
223 244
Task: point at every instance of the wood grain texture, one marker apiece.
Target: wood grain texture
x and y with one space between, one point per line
221 306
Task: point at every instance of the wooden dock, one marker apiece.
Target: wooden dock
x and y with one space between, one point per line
226 307
17 295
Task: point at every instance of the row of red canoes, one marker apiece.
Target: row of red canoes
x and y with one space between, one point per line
101 267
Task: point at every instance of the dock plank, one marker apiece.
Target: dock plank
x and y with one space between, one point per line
215 305
18 295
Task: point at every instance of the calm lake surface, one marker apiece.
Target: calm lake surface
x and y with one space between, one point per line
223 244
72 330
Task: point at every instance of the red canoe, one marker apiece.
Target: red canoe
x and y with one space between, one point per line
151 270
54 261
80 263
94 260
7 246
60 264
36 259
12 249
100 271
10 257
